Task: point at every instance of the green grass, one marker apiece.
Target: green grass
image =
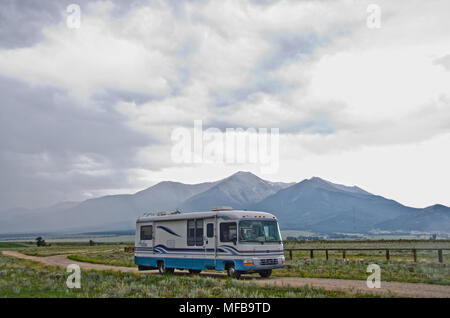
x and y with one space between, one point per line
115 258
421 272
351 269
368 243
12 245
66 248
430 257
425 256
400 268
21 278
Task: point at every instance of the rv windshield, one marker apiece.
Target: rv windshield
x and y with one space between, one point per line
259 231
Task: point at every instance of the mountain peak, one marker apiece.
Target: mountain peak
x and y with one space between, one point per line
238 190
436 207
318 180
313 204
243 174
322 183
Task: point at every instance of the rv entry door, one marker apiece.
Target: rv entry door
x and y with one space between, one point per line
210 242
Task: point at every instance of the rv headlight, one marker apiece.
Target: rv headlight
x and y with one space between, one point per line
248 262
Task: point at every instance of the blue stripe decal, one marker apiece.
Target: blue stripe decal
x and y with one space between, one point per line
167 230
223 249
163 247
198 263
229 250
243 251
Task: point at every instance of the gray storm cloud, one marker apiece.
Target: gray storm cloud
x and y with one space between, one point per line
52 148
82 110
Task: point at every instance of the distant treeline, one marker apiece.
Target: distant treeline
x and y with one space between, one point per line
124 232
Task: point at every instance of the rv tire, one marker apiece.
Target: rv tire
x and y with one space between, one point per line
232 272
265 273
163 270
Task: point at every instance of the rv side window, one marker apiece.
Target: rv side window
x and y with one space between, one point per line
146 232
191 232
195 232
228 231
199 233
210 230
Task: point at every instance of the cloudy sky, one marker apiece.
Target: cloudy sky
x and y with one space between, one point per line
90 111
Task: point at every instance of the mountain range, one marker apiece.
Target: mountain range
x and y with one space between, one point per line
313 204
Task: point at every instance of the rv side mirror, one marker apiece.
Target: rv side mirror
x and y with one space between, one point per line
234 240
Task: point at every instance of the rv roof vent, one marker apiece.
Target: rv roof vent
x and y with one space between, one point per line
167 213
222 208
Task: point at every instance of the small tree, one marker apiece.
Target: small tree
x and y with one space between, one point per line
40 241
91 243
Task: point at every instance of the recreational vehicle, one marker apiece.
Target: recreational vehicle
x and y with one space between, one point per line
221 239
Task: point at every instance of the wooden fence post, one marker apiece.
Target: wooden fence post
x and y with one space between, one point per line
311 253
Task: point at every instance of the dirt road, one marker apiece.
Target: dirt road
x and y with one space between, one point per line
62 261
352 286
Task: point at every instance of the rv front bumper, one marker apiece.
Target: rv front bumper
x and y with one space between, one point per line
261 263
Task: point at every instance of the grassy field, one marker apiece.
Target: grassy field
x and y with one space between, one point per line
12 245
354 269
399 256
116 257
369 243
71 248
400 271
400 268
21 278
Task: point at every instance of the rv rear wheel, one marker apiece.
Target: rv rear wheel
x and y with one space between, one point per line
232 272
266 273
194 271
163 270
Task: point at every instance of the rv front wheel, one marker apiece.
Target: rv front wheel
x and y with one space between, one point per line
163 270
232 272
265 273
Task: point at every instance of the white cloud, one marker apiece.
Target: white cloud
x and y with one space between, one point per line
334 87
414 174
89 59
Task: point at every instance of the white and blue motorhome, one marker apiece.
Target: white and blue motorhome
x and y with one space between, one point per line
221 239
